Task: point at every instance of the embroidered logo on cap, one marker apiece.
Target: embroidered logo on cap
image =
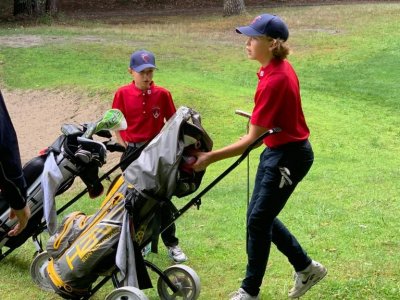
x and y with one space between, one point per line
256 19
145 57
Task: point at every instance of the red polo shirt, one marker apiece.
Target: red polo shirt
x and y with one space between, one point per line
278 104
145 111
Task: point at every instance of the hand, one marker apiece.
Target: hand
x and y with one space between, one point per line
23 216
203 160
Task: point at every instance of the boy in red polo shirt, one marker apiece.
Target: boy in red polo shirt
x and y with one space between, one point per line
284 162
146 108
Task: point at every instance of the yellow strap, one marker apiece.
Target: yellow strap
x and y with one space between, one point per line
113 190
66 228
57 281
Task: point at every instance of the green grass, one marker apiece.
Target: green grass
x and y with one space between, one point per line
345 213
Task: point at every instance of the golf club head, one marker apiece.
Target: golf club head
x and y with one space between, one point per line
113 119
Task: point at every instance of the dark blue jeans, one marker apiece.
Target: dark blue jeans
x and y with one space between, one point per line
268 199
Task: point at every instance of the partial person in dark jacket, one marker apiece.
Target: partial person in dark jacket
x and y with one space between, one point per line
12 181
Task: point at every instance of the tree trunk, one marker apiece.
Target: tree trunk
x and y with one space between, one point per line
37 7
234 7
22 7
52 6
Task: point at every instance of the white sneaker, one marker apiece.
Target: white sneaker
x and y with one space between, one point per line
146 250
305 279
176 253
241 294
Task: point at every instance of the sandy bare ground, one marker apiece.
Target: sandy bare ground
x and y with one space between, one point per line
38 115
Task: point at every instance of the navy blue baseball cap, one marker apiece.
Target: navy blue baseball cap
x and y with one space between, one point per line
266 24
141 60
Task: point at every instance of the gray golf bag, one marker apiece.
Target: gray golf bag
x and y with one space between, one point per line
111 240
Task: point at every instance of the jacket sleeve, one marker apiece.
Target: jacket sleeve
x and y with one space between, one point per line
12 181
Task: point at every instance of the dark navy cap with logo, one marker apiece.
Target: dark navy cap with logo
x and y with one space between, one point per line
141 60
266 24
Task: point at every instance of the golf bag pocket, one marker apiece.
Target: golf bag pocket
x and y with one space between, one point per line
84 246
146 218
140 207
70 228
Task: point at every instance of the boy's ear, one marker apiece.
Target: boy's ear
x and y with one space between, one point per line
130 71
274 44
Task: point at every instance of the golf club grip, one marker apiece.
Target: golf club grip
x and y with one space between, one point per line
243 113
91 128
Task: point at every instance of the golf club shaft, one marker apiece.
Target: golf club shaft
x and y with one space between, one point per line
246 115
243 113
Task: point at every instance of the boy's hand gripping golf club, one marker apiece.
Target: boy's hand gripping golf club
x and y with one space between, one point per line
197 199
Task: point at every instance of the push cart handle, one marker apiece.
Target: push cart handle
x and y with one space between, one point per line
197 200
255 143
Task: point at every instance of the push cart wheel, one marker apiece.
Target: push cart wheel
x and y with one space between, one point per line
126 293
184 278
38 271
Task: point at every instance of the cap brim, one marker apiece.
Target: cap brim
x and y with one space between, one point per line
249 31
142 67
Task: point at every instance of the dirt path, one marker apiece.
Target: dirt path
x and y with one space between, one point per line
38 115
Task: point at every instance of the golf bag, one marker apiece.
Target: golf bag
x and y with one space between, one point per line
51 174
86 247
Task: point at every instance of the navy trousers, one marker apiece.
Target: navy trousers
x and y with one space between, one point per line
268 199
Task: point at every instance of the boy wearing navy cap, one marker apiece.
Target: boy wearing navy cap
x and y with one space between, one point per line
146 108
284 162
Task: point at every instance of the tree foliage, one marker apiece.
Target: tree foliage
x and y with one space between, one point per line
39 7
35 7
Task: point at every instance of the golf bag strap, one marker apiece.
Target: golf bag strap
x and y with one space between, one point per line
144 280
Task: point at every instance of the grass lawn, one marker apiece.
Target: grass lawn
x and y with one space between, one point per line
345 212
